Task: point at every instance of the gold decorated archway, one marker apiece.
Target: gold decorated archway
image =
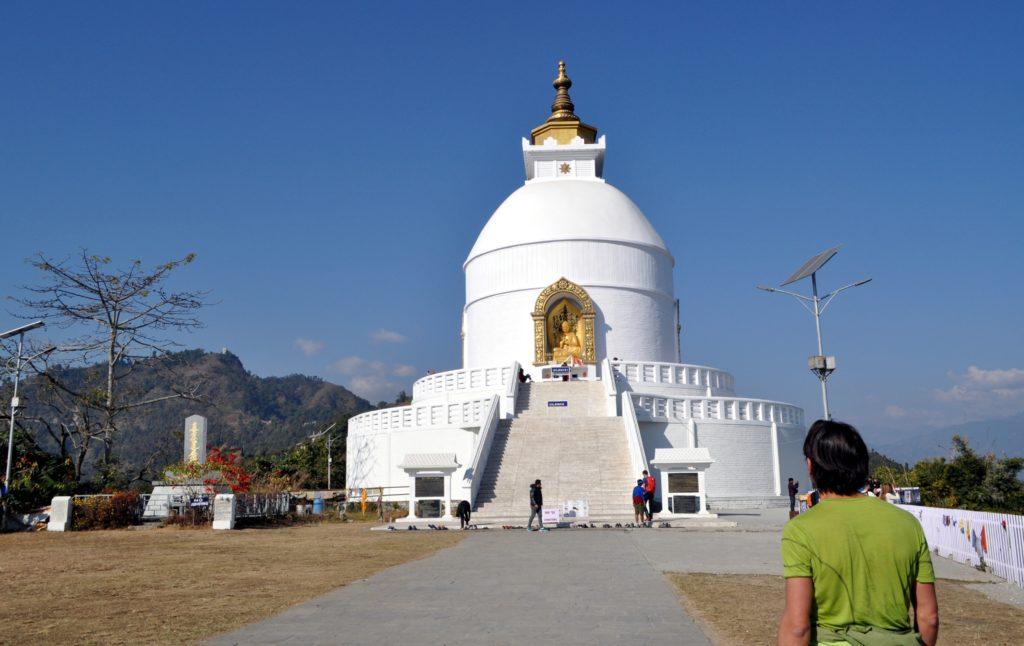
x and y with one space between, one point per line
563 302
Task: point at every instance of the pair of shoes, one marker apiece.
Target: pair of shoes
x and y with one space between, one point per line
606 526
544 529
665 525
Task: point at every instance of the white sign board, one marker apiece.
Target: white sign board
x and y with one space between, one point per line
550 515
575 509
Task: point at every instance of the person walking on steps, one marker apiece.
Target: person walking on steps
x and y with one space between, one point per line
536 507
649 486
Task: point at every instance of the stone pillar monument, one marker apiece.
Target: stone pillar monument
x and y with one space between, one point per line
195 439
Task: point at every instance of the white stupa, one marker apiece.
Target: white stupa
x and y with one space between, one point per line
570 283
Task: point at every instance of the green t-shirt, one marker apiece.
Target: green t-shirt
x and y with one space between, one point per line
863 555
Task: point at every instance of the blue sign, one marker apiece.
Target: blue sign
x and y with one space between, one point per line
561 370
559 404
199 501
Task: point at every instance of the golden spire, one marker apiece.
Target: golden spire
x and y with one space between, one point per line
562 107
563 124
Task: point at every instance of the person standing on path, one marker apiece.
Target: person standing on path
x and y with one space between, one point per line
649 486
639 513
854 565
794 487
536 506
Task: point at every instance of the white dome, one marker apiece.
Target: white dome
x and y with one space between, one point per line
546 211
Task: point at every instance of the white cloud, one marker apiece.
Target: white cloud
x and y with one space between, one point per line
387 336
373 379
402 370
309 347
348 365
988 392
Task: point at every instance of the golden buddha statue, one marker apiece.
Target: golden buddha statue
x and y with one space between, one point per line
569 346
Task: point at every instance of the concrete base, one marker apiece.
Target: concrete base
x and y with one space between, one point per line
60 514
747 502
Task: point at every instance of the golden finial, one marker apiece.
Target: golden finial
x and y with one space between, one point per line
563 124
562 108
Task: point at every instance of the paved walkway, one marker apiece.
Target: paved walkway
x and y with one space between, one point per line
498 587
567 586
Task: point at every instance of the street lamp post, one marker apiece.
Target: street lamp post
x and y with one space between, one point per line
330 441
820 364
19 361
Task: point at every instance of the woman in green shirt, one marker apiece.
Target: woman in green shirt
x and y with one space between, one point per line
855 566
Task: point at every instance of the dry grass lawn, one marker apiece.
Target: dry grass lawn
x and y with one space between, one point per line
745 609
177 585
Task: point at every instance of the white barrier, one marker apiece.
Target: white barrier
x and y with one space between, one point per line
975 537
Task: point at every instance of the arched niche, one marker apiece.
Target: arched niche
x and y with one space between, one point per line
563 301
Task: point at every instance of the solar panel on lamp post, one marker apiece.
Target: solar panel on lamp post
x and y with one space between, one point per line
19 361
821 365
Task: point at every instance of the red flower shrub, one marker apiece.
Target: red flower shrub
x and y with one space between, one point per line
232 473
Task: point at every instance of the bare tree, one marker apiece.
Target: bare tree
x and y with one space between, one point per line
117 317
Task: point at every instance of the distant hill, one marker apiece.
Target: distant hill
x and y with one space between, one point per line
1000 436
256 414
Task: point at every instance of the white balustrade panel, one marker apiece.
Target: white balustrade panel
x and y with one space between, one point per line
464 380
646 373
655 408
462 414
975 538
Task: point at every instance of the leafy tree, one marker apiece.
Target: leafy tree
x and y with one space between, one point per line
36 475
971 481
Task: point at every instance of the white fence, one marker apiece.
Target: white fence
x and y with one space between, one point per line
466 414
655 408
462 381
675 374
976 538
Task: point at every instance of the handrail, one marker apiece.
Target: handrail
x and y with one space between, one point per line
611 386
512 391
737 409
475 471
637 456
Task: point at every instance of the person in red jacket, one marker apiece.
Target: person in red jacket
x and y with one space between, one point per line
649 486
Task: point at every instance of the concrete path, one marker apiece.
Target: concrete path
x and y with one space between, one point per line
498 587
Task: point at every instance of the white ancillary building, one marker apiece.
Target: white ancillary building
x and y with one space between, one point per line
569 274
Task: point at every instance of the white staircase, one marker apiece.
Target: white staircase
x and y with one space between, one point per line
577 451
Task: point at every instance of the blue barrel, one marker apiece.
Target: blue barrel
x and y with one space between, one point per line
318 505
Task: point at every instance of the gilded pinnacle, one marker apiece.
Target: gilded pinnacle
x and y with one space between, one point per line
563 125
562 108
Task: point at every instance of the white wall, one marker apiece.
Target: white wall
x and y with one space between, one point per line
372 458
742 453
630 287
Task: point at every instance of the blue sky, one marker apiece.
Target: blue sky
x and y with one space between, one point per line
331 165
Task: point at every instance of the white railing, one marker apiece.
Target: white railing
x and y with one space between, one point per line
465 414
611 388
511 392
712 380
463 380
475 471
657 408
637 457
975 538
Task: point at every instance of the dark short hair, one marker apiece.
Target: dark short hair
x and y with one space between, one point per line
791 479
537 481
645 470
640 482
838 455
